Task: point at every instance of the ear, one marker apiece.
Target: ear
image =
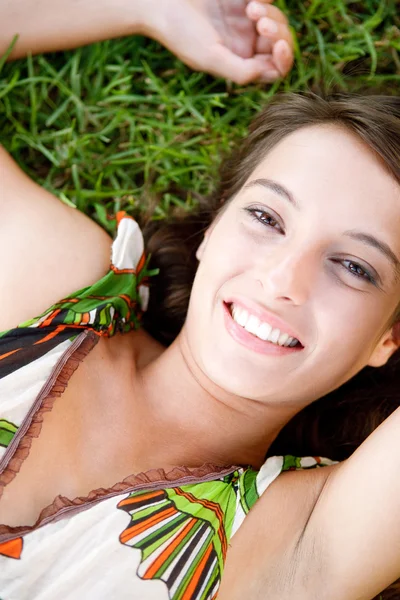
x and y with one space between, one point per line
387 346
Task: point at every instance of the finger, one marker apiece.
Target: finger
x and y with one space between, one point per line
282 56
263 45
267 27
224 63
256 10
269 71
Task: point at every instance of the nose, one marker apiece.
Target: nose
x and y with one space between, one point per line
290 275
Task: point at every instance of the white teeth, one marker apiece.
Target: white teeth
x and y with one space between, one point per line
283 338
274 336
262 330
252 324
242 317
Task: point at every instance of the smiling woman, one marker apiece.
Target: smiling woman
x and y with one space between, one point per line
301 238
133 466
355 118
143 456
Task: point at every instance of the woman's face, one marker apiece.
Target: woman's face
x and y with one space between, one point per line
309 246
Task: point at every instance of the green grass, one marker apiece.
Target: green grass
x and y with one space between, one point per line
124 125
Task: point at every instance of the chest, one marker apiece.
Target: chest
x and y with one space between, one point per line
86 435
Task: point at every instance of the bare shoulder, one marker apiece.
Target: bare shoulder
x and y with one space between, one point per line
47 249
266 557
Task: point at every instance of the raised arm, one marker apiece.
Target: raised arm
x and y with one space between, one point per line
229 38
354 530
338 532
49 25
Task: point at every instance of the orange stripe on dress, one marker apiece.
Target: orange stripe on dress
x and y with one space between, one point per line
85 318
194 580
131 532
140 498
50 318
122 271
69 301
52 334
141 263
9 353
215 508
121 214
152 570
13 548
125 297
206 503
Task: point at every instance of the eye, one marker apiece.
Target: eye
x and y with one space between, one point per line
264 217
357 270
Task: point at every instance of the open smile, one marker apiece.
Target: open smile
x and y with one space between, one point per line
277 342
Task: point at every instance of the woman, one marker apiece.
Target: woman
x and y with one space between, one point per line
301 253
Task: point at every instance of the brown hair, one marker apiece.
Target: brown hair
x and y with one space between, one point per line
335 425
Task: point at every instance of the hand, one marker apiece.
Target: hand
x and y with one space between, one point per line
240 40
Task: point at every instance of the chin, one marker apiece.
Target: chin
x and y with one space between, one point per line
233 376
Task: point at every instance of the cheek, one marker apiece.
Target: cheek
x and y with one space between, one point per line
225 260
347 335
227 255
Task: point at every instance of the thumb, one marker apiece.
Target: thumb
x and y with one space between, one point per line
224 63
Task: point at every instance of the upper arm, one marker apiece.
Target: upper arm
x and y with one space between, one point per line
263 560
47 249
355 524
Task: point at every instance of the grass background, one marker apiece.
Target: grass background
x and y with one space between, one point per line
124 125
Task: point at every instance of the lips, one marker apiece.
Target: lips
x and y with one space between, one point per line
264 315
262 330
252 342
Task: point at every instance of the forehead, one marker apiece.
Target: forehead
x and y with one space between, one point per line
327 168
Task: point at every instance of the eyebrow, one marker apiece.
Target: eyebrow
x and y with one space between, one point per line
278 188
384 248
365 238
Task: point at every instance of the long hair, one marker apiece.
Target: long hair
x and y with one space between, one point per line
335 425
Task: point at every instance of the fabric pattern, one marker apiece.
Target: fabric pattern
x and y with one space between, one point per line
183 532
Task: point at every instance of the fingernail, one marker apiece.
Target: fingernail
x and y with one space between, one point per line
285 48
254 9
267 25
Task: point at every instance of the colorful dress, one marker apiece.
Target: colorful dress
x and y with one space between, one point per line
154 536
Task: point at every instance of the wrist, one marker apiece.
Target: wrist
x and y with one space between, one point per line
126 17
61 26
147 17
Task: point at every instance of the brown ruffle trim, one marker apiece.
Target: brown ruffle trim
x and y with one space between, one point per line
153 479
55 391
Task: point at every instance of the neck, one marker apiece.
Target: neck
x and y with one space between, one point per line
202 422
